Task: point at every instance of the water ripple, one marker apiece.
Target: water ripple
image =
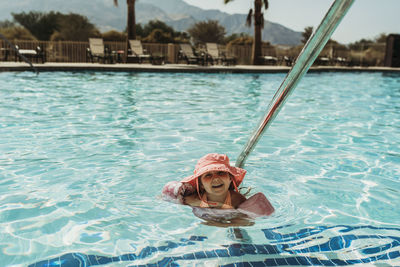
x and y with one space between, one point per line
83 156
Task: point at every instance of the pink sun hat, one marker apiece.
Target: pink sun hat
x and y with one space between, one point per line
215 162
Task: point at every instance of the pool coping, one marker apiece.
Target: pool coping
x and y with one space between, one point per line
53 66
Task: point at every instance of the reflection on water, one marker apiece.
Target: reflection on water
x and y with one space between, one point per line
84 156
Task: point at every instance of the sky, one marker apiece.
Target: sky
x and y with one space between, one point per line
365 19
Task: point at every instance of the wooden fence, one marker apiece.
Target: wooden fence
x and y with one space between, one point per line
71 51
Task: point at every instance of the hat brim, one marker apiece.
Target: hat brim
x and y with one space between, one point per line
237 173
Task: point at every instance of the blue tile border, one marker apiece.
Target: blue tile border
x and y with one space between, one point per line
282 250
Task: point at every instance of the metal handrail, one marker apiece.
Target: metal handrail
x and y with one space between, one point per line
304 61
18 53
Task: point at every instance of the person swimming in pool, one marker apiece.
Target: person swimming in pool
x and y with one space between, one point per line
214 184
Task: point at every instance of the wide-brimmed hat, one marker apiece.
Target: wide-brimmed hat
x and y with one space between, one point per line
215 162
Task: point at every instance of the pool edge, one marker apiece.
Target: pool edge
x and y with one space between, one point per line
176 68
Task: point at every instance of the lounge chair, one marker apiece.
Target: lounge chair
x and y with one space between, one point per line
323 61
31 54
215 56
97 51
341 61
136 52
286 61
270 60
227 58
269 55
186 53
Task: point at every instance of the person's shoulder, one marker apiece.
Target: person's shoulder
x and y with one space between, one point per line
237 198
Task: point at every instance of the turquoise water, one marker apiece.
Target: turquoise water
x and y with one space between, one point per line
84 156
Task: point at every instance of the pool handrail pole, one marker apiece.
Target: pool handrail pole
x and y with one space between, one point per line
18 53
303 62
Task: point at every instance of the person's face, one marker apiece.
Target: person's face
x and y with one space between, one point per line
216 182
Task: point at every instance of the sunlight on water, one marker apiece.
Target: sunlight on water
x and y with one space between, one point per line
84 156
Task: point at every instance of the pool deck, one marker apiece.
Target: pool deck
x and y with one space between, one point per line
53 66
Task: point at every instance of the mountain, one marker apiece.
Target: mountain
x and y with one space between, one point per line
176 13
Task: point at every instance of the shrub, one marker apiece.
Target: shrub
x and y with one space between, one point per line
17 33
114 36
158 36
207 31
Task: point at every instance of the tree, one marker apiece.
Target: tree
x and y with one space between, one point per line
156 31
362 44
306 34
75 27
207 31
41 25
131 23
159 36
381 38
258 26
6 24
57 26
157 25
139 30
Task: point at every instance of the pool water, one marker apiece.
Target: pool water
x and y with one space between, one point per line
84 156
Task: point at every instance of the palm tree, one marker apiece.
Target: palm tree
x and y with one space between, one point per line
258 26
131 24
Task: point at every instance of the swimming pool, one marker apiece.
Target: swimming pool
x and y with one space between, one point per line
84 156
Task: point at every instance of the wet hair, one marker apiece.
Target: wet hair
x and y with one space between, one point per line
231 186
